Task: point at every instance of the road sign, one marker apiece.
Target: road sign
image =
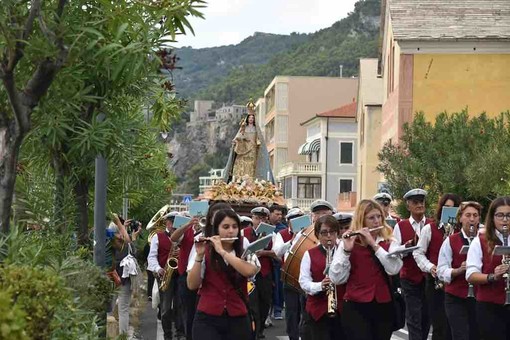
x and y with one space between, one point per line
186 199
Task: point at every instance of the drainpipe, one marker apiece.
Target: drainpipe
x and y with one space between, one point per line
326 161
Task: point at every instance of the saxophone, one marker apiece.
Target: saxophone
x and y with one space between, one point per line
171 265
471 289
331 292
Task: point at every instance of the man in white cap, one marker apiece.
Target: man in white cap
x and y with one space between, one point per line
384 199
281 245
261 298
406 233
161 244
320 208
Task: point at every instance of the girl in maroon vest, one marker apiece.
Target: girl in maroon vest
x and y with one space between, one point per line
316 285
484 268
451 269
222 277
367 309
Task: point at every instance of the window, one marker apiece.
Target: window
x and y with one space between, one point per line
309 187
346 151
287 187
345 185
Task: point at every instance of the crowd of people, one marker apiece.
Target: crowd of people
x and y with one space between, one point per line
365 275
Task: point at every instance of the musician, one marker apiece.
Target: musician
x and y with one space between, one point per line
261 298
185 237
281 245
429 243
320 208
384 199
221 275
246 222
407 233
316 285
451 269
485 269
362 263
275 218
161 246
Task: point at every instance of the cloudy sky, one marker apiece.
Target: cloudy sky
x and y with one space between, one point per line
230 21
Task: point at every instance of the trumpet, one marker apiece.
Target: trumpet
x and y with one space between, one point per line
332 298
359 233
471 289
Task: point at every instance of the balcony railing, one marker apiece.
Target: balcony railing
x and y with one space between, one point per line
302 203
294 168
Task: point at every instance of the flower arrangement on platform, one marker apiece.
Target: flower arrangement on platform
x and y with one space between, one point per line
246 190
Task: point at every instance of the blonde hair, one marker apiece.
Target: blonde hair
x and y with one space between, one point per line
362 209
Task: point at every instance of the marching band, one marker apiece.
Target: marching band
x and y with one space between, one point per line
345 276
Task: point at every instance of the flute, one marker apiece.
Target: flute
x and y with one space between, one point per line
204 239
358 233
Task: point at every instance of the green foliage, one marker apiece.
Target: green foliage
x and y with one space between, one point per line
451 155
12 319
321 54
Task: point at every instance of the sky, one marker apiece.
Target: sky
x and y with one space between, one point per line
231 21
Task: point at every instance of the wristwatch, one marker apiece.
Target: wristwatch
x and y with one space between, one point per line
491 278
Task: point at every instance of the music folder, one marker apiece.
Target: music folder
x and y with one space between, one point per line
403 251
464 250
257 245
449 215
198 208
265 229
179 221
502 250
300 223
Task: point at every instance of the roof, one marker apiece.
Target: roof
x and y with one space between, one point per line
346 111
450 19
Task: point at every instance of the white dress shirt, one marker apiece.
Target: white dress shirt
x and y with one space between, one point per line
305 277
152 258
341 265
397 236
475 255
444 263
423 243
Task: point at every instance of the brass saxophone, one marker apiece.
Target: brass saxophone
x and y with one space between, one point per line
331 292
471 289
171 264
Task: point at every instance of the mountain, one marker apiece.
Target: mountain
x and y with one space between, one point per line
207 66
207 77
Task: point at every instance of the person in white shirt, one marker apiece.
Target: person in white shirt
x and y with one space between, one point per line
486 270
451 269
429 243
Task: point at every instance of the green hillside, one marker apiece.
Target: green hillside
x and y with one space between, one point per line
354 37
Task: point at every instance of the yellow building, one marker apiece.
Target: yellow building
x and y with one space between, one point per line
443 55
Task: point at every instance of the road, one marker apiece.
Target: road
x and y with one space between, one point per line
150 329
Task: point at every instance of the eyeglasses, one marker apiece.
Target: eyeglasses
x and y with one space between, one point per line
501 216
327 232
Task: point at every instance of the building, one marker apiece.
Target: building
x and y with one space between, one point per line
232 112
291 100
443 55
368 117
329 169
203 109
206 182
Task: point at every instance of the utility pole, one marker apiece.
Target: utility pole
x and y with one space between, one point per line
341 71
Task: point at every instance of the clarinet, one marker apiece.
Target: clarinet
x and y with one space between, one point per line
471 289
331 293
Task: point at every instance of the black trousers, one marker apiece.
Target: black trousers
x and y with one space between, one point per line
417 318
493 321
166 307
221 327
292 311
326 328
261 300
435 304
461 314
150 283
188 303
367 321
305 327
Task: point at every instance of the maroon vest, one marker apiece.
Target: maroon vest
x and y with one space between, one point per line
458 286
185 249
436 241
164 245
410 270
366 281
218 295
491 292
317 305
266 264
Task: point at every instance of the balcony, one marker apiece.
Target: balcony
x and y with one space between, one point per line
300 168
302 203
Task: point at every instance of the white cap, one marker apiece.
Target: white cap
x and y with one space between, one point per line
245 219
383 196
293 213
171 214
415 192
318 204
260 211
343 217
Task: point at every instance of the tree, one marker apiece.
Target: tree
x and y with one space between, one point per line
108 48
458 154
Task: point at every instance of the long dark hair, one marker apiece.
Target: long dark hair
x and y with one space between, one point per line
456 202
220 215
490 232
210 213
248 116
